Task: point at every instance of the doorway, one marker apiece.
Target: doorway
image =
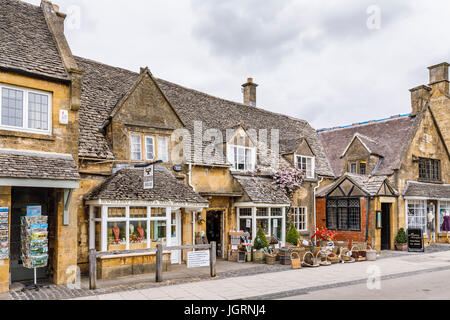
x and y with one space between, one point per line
21 198
214 229
175 240
386 226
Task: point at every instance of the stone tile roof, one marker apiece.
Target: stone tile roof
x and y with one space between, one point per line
390 138
369 184
127 185
427 190
103 87
33 165
26 43
262 190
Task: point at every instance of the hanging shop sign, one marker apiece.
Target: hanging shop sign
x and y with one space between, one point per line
149 177
415 240
198 259
4 233
379 220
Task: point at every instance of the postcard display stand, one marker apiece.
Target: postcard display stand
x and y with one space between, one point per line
4 233
34 245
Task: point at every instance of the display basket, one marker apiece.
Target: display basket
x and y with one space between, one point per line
271 259
296 262
309 261
345 257
358 254
258 256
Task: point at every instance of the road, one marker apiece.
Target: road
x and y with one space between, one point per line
425 286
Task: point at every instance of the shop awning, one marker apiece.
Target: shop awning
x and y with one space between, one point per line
126 187
427 191
261 190
22 168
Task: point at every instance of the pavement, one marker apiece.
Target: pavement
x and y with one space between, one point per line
292 283
237 281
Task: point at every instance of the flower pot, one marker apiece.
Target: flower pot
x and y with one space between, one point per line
259 256
401 246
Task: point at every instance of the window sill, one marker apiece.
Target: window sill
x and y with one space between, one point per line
129 255
430 181
19 134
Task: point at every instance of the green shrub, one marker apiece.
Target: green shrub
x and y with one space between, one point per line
401 237
293 235
260 240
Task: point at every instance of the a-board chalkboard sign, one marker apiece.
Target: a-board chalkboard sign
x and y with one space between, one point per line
415 240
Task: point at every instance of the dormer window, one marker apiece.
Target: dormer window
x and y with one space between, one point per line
353 167
242 158
363 168
307 165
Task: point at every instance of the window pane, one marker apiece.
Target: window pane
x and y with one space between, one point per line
444 210
262 212
138 235
116 213
158 212
12 107
417 215
264 224
163 149
37 111
246 225
158 232
150 148
332 214
247 212
276 228
117 236
138 212
136 153
276 212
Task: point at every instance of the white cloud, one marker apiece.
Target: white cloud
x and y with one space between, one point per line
314 60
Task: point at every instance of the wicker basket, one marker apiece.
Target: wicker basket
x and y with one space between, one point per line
358 254
296 261
271 259
258 256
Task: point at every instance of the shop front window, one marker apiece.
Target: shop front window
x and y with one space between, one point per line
270 220
444 210
138 235
417 214
158 232
116 236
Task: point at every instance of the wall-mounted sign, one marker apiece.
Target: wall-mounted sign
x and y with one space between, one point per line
415 240
379 220
198 259
178 168
63 117
34 211
149 175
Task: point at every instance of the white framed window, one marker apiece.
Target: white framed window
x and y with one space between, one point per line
270 220
300 217
307 165
150 148
242 158
444 210
136 147
132 227
163 149
25 110
417 214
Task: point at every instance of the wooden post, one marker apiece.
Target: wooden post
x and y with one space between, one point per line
213 257
92 269
159 263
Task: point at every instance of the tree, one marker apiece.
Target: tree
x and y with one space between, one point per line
293 235
260 240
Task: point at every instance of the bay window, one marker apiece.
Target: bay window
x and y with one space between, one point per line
306 164
25 109
130 228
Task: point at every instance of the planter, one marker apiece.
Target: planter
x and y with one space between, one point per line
401 246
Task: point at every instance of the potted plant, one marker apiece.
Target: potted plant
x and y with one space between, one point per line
259 245
401 241
324 236
293 235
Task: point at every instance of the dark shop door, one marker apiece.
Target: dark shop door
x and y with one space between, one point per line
386 226
214 229
21 199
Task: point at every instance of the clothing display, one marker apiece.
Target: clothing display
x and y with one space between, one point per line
431 224
446 225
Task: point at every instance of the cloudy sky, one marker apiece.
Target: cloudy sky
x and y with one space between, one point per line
329 62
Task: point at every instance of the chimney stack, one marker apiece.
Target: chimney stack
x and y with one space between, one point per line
419 98
250 92
439 77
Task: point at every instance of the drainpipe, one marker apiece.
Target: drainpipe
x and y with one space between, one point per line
314 202
367 219
193 229
190 177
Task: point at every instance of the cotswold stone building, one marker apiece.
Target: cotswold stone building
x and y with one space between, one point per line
75 135
393 170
